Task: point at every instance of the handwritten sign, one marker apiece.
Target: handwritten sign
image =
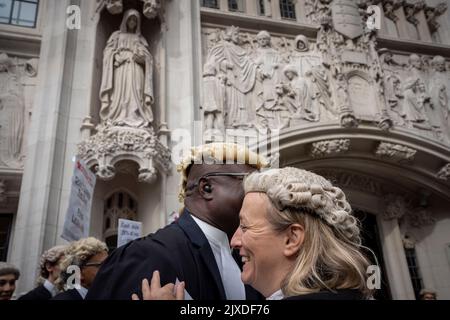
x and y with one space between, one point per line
128 231
78 216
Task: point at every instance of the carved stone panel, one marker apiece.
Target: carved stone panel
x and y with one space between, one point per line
395 152
329 147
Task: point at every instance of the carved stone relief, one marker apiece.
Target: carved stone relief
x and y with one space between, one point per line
126 94
395 207
329 147
151 8
395 152
275 82
444 173
14 75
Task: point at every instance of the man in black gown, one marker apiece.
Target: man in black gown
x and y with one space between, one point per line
194 249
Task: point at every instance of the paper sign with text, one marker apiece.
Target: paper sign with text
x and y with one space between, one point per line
128 231
78 216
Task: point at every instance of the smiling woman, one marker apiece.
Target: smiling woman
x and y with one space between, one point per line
298 238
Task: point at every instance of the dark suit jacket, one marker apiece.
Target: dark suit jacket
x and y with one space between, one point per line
38 293
71 294
180 250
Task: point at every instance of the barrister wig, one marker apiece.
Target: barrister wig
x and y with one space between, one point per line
77 254
7 268
52 256
330 257
217 153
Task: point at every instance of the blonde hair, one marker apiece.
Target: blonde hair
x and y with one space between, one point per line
78 253
330 257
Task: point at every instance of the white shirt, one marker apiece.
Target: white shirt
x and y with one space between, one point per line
82 291
50 287
277 295
228 269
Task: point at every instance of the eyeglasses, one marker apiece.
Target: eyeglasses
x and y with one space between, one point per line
10 282
93 264
238 175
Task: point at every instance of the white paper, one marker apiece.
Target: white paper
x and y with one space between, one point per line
78 215
128 231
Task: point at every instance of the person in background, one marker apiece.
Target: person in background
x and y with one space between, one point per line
88 255
8 277
427 294
49 272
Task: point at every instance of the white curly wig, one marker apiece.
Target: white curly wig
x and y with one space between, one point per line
306 191
51 256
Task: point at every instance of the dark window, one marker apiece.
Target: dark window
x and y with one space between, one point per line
261 8
287 9
108 224
235 5
120 201
109 203
19 12
5 232
210 4
414 271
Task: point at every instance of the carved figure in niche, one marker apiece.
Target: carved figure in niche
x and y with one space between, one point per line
240 74
415 101
439 93
126 91
269 64
213 98
12 110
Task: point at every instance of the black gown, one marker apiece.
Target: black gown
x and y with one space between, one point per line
178 251
38 293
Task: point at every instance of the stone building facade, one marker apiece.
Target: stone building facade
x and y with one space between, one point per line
139 80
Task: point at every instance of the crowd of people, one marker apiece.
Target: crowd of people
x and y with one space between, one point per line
245 232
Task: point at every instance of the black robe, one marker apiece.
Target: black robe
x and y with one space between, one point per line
38 293
179 251
71 294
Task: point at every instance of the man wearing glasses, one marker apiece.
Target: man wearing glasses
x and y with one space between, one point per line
87 254
194 249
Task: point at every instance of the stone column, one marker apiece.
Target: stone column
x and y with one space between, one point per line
183 78
223 5
251 7
267 8
300 11
395 260
39 206
422 27
276 14
401 23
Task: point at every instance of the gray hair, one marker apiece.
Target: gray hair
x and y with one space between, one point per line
51 256
306 191
7 268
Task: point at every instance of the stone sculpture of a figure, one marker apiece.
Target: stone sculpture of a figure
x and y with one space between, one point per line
11 113
439 93
269 64
240 77
416 100
126 92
